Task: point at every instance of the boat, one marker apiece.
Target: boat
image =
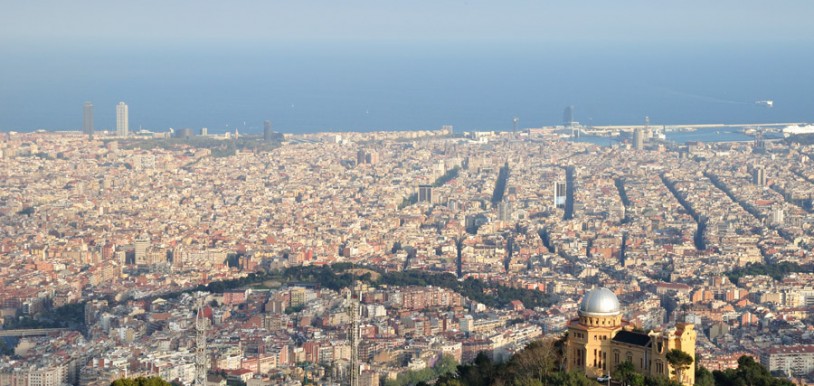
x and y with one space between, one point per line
766 103
798 129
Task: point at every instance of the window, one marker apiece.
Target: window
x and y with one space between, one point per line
616 357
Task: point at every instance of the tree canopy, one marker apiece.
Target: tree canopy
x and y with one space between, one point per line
748 373
140 381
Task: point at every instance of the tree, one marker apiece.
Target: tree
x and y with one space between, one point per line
624 372
538 360
27 211
446 365
569 378
680 361
748 372
703 377
659 381
140 381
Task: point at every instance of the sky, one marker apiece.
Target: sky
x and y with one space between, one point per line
150 22
312 64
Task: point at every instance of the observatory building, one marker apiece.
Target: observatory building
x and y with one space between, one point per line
599 340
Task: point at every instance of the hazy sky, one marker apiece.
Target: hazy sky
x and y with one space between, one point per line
173 21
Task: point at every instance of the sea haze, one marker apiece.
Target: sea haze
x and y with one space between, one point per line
311 87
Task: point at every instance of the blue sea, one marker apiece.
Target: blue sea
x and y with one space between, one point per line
366 86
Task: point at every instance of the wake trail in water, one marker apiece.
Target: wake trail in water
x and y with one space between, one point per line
704 98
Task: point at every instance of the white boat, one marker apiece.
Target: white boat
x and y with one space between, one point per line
797 129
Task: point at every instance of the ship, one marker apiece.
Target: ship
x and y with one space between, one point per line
766 103
798 129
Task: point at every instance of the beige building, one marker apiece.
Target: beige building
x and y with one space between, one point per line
599 340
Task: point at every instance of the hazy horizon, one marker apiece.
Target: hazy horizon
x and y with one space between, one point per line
365 65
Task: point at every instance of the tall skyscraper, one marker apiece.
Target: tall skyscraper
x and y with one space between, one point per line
87 119
122 120
267 133
504 211
425 193
560 194
638 138
568 116
759 176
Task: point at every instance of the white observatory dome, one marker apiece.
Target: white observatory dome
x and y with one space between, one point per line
600 302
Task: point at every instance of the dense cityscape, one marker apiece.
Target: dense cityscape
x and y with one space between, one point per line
392 257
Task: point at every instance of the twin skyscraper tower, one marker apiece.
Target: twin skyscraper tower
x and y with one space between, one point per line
122 120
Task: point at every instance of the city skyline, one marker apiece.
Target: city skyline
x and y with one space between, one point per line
513 230
369 193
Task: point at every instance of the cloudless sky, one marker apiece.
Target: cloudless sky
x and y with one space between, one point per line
313 64
175 21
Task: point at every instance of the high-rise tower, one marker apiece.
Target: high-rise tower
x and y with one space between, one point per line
267 133
568 116
638 138
87 119
122 120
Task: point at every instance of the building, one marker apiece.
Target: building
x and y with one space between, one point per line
638 138
759 176
185 133
791 360
369 378
425 193
568 116
504 211
267 133
599 340
122 120
367 157
141 245
87 119
560 193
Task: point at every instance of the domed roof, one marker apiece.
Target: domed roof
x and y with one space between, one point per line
600 302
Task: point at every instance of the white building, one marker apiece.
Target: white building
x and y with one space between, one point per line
122 120
792 360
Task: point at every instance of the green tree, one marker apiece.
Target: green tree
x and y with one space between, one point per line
703 377
140 381
659 381
636 379
748 373
624 372
569 378
680 361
